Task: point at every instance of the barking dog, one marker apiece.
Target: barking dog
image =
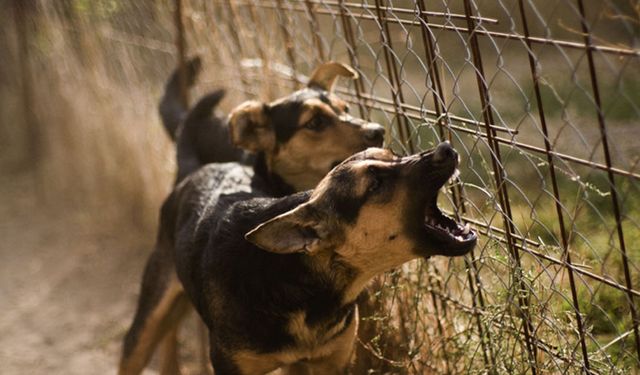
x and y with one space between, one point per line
296 140
276 279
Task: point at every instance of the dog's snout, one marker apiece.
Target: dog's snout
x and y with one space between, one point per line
443 152
374 133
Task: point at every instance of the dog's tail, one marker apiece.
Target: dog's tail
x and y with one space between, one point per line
198 136
172 110
204 108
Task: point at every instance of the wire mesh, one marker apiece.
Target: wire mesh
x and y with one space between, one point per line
541 99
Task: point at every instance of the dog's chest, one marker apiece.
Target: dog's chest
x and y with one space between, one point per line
313 343
314 338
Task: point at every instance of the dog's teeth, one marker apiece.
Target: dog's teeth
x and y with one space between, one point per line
466 228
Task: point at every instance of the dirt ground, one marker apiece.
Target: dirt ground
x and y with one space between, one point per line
67 288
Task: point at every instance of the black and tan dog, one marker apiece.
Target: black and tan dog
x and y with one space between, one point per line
297 138
276 279
296 141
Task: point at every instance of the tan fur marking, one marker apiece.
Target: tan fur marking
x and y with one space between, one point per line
379 154
362 182
313 107
331 356
338 103
307 336
249 127
306 115
308 156
169 353
150 334
366 244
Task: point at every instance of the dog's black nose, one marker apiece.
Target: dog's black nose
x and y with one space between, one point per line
374 133
444 151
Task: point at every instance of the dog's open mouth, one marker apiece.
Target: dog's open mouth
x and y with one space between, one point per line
457 237
438 224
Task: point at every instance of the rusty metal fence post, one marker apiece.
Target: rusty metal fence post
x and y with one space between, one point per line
586 32
24 25
501 186
394 76
181 49
556 193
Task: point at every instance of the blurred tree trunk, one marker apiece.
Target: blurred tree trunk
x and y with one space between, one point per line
24 12
70 18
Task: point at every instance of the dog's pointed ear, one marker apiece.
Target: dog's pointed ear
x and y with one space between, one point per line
325 75
250 127
296 231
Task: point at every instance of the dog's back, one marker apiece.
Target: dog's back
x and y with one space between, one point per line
209 233
206 217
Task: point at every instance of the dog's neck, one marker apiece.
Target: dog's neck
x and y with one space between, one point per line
341 277
348 282
275 185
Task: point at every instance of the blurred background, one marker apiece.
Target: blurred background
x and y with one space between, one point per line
542 99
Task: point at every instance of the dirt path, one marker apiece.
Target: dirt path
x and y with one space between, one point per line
67 288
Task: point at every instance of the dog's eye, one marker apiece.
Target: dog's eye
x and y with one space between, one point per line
375 184
315 124
376 179
346 109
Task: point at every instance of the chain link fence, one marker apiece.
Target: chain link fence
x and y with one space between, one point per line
541 99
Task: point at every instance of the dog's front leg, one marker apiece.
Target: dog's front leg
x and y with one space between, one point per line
169 363
161 306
